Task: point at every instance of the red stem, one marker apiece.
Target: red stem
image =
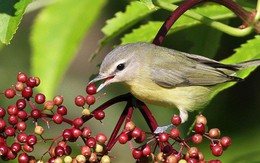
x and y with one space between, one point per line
245 16
112 140
148 116
124 97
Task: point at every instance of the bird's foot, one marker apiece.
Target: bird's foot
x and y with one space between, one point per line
162 129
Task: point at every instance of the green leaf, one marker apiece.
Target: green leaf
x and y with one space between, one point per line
134 12
56 36
11 13
247 51
148 31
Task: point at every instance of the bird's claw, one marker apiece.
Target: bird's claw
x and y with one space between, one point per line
162 129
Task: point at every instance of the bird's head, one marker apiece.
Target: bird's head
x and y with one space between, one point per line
120 65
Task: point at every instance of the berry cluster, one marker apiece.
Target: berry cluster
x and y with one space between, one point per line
166 142
33 107
17 141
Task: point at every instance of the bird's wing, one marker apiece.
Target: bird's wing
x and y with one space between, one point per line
181 69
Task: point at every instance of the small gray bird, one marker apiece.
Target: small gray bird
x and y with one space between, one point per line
167 77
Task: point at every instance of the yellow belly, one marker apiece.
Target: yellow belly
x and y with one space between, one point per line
188 98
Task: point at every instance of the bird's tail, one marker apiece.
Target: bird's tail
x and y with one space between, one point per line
248 64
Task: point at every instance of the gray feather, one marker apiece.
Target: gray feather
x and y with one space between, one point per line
182 69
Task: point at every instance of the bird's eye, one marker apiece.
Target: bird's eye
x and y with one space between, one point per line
120 67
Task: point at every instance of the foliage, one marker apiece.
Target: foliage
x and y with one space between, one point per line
59 29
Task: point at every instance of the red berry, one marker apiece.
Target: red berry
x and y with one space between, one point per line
3 149
163 137
199 128
67 150
57 118
21 104
225 141
38 81
67 134
11 155
91 142
12 110
2 140
2 124
193 152
217 150
36 114
85 151
141 138
22 77
172 159
22 115
22 137
136 132
59 151
176 120
23 158
28 148
31 140
99 114
201 119
77 122
62 110
12 120
76 132
130 126
101 138
136 153
2 112
58 100
80 100
90 99
19 86
49 105
197 138
15 147
192 160
27 92
9 131
91 89
31 82
86 132
201 157
39 98
214 133
21 126
146 150
10 93
123 138
167 149
174 133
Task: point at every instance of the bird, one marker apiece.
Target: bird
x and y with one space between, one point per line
167 77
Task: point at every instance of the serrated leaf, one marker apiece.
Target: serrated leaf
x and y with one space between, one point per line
149 4
56 36
148 31
134 12
247 51
11 13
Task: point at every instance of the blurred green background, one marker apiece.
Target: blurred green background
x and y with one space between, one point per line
235 111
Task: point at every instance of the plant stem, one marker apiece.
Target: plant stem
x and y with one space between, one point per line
148 116
183 9
124 97
112 140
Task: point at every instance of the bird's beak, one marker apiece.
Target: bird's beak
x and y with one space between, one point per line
101 77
